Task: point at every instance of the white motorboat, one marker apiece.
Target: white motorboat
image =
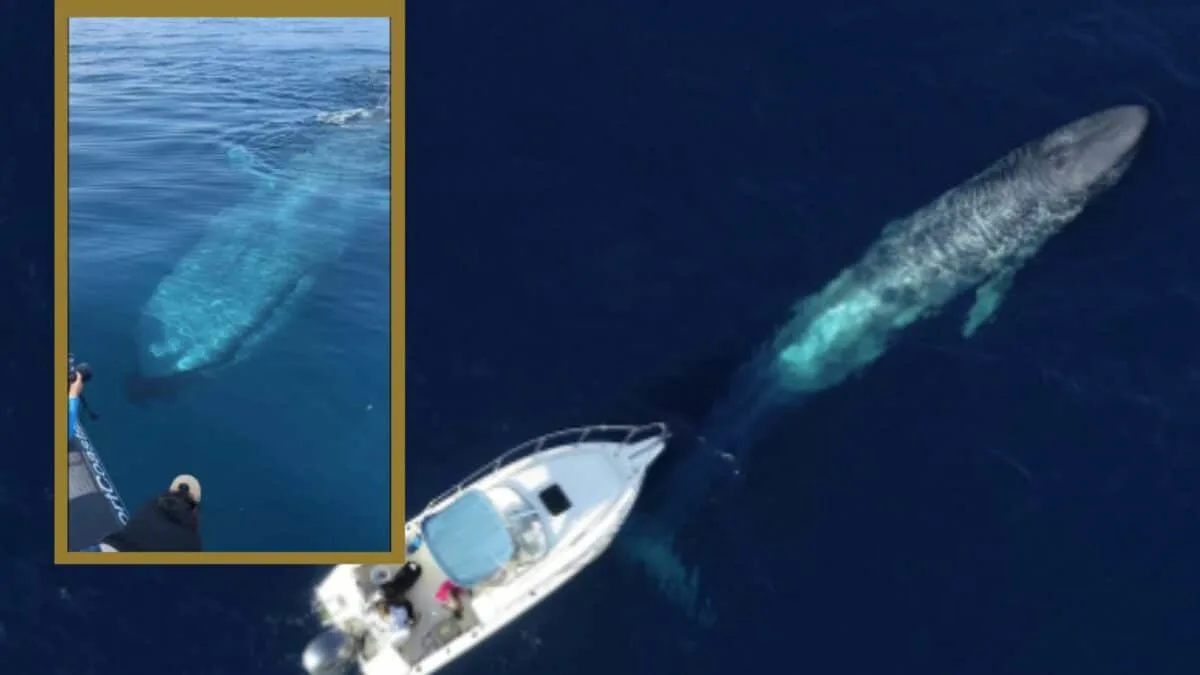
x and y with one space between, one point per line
503 540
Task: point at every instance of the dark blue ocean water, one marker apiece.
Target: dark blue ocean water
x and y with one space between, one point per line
600 198
291 442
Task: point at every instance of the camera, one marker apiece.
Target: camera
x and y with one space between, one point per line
76 368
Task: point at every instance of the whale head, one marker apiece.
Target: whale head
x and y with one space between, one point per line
167 353
1091 154
166 362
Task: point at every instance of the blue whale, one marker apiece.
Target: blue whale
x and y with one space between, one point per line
976 236
261 258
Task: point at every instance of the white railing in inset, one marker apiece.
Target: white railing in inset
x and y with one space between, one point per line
624 434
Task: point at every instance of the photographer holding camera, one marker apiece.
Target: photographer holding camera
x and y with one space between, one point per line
169 521
73 393
77 375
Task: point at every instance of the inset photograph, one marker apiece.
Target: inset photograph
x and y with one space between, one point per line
229 286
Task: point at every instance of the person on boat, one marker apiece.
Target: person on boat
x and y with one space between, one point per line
74 391
400 612
168 522
395 589
394 593
393 621
450 595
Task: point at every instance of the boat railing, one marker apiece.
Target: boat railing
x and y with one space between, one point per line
624 434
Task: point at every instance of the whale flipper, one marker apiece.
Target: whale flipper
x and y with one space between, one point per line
988 299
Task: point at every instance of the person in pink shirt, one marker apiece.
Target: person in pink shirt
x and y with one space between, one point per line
449 594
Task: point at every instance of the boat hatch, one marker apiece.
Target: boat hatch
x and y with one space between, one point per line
555 500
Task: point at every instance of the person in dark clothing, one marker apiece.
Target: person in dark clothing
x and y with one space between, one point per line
395 590
168 522
402 581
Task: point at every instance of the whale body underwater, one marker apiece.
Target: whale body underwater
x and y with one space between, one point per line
259 259
976 236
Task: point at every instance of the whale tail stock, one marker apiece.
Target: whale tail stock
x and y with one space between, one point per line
678 497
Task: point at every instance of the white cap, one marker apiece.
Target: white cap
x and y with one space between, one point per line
188 482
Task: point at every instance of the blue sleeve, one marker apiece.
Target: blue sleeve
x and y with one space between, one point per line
72 416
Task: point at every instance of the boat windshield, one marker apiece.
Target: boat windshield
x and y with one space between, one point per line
484 538
525 525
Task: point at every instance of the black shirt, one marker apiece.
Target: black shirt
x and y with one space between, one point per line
168 522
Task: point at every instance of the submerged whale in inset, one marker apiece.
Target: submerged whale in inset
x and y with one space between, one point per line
975 236
259 259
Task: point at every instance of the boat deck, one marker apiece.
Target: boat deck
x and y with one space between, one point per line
435 625
94 509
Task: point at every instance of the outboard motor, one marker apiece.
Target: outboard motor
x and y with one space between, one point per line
330 653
